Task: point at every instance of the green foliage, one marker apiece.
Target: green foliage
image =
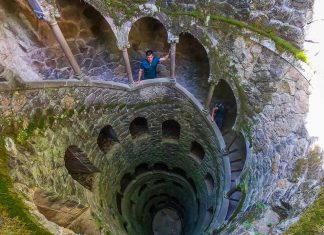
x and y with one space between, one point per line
12 226
244 190
256 212
312 221
14 216
108 2
247 225
260 206
127 8
280 42
299 169
315 162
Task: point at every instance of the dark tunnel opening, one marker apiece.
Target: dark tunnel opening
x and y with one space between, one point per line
155 195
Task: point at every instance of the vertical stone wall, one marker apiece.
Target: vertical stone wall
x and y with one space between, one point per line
271 93
286 18
36 50
45 122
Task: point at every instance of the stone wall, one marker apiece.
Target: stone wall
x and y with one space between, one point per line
36 50
287 18
277 95
45 122
267 94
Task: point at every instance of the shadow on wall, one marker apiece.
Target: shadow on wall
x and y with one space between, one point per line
148 33
90 38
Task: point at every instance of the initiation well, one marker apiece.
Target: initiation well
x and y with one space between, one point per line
96 152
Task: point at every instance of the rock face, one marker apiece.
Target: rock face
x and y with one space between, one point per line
120 155
65 213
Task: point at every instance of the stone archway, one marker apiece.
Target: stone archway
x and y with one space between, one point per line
223 93
148 33
89 36
192 66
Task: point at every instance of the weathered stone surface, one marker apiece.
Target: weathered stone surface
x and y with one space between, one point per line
85 122
271 94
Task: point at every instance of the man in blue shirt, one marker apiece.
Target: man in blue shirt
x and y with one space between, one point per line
148 66
218 114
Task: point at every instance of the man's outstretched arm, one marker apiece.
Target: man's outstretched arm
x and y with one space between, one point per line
213 113
165 57
140 74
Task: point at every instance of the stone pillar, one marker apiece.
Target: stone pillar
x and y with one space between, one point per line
210 96
127 64
47 12
65 47
173 42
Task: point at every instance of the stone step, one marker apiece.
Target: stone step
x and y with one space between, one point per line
238 165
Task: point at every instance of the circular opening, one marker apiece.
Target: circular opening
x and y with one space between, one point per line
138 127
197 152
171 129
107 138
167 221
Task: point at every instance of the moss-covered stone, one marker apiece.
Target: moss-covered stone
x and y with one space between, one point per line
312 221
14 216
299 170
281 44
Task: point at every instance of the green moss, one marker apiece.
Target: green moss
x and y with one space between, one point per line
281 43
150 103
127 8
312 221
244 190
24 133
12 226
21 130
315 162
15 215
248 218
299 169
130 9
242 122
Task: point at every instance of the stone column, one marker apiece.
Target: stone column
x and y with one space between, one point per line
173 42
127 64
65 47
210 96
47 12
